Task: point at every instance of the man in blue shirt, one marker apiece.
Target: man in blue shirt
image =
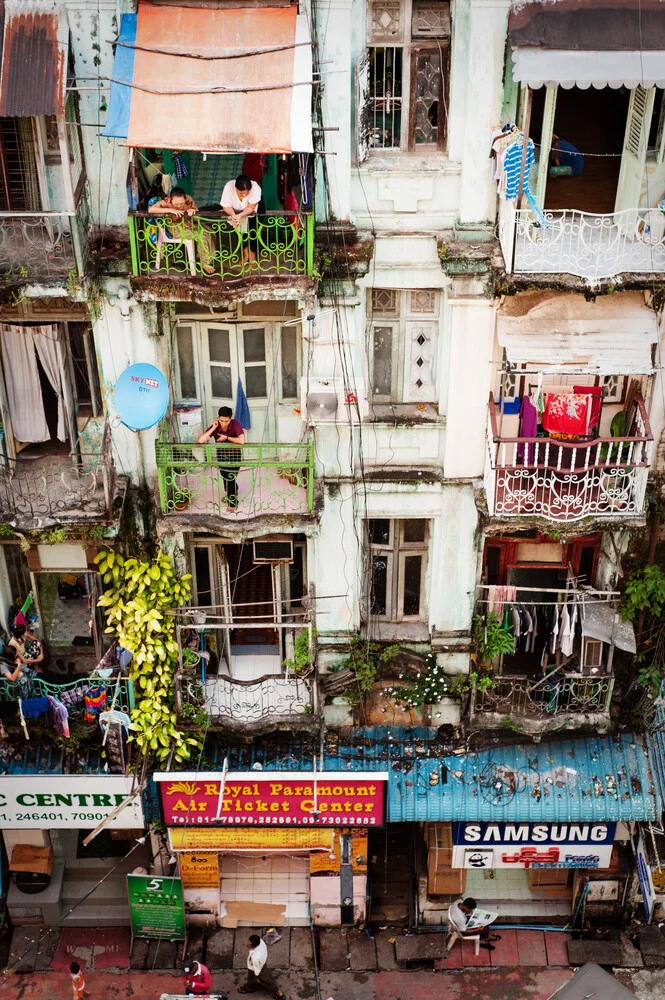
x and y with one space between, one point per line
565 159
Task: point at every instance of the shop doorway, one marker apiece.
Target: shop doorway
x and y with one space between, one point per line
391 867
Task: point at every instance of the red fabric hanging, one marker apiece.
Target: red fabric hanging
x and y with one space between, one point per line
596 391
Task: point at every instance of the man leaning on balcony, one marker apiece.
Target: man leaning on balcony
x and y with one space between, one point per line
240 201
181 207
225 430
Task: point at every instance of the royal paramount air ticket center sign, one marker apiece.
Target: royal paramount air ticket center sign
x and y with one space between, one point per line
273 798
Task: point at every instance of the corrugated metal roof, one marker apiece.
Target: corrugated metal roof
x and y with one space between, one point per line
611 25
656 743
33 80
603 779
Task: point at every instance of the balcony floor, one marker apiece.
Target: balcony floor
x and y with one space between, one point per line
260 491
584 245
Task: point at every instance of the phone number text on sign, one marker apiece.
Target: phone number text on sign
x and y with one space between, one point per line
331 800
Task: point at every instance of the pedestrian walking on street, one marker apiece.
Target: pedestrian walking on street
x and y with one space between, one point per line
196 977
257 977
78 982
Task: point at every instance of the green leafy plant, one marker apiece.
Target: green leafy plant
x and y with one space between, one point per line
301 661
490 638
195 714
6 531
57 536
96 532
190 657
364 660
644 602
644 592
428 689
461 684
138 594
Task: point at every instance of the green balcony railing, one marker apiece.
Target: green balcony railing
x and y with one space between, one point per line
209 246
236 482
37 687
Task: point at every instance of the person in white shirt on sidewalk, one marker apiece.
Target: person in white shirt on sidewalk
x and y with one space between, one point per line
257 977
459 914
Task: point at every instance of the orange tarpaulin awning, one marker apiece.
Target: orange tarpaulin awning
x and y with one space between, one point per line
276 120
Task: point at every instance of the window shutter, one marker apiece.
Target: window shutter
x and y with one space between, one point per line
633 159
419 360
362 107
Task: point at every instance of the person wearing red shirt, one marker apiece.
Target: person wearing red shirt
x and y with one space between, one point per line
225 430
196 978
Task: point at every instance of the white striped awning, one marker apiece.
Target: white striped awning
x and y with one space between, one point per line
568 68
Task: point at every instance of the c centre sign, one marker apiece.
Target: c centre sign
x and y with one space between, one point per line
59 801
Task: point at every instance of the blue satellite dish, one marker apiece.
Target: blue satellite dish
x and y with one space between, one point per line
141 396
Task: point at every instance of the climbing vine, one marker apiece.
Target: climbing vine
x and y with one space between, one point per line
138 595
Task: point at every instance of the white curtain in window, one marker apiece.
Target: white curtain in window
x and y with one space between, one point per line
45 342
24 393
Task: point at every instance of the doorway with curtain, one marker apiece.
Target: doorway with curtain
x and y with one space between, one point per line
37 401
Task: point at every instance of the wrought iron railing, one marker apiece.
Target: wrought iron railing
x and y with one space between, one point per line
566 481
209 246
560 694
269 478
59 489
37 246
237 704
36 687
581 243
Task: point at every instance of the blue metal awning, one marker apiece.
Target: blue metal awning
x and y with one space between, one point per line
601 779
656 743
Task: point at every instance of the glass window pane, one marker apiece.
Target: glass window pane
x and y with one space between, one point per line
255 344
289 363
203 585
220 379
414 530
255 381
379 530
219 348
385 96
411 599
186 362
428 91
379 585
382 368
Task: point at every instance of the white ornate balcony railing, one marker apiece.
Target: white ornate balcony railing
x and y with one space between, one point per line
581 243
561 694
567 481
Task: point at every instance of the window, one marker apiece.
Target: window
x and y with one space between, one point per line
402 78
398 564
85 369
289 362
404 332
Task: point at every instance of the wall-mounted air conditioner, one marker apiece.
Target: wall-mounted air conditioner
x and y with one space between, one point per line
327 401
273 549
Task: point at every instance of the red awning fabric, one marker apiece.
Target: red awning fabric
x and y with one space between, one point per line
273 120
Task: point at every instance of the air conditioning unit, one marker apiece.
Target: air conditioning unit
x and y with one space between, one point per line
273 550
327 401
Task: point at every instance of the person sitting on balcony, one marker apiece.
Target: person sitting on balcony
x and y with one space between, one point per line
565 159
225 430
29 650
182 208
240 201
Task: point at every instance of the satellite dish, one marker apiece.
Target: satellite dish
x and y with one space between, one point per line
141 396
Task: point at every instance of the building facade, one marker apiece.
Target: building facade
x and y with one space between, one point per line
447 340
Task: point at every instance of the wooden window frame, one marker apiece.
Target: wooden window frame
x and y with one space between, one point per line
443 50
396 551
400 323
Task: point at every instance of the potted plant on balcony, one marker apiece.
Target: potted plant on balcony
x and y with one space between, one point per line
491 639
301 663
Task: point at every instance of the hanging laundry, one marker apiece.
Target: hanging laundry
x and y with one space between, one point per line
179 166
125 657
596 393
58 717
566 637
73 697
528 427
109 657
34 707
554 630
567 413
95 702
115 729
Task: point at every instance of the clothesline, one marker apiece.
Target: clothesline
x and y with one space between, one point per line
556 590
543 604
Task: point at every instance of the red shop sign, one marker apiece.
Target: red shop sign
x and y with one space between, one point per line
273 799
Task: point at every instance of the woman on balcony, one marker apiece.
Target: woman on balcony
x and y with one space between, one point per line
181 207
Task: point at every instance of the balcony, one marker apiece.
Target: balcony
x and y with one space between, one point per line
39 247
240 680
567 481
119 691
59 489
558 701
594 247
208 246
271 479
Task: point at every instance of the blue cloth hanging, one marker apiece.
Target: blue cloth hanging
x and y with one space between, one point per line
242 414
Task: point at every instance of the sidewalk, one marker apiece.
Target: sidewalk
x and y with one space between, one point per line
468 984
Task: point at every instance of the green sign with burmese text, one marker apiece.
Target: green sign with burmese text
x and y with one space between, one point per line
156 906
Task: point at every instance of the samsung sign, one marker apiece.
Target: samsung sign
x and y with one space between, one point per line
533 845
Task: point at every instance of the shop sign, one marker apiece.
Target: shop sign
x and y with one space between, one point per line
156 907
243 839
532 845
199 871
646 882
274 799
67 801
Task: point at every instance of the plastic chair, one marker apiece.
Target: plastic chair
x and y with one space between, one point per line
163 238
454 934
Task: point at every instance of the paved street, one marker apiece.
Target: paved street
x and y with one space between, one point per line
468 984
